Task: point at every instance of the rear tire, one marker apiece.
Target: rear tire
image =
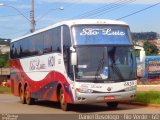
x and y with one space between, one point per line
112 105
28 98
63 104
22 96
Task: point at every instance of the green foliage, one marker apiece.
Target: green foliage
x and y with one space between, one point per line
137 53
153 97
150 49
4 42
4 60
5 90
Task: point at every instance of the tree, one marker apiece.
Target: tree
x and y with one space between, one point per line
150 49
137 53
4 60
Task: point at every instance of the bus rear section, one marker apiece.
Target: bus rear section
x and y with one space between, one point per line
75 62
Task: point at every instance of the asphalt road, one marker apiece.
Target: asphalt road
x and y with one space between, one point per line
11 104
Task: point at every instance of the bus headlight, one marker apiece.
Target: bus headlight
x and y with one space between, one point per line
130 88
84 90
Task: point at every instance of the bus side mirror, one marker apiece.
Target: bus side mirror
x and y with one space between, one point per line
142 56
73 58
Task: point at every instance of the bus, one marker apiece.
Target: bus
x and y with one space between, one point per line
75 62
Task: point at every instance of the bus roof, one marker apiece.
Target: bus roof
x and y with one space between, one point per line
74 22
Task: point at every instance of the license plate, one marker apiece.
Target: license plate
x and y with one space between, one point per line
109 98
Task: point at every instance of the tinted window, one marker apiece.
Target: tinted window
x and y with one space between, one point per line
19 48
66 50
15 50
66 46
57 39
32 46
26 47
12 50
66 37
37 44
52 40
48 41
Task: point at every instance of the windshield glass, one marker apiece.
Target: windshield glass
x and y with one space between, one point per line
105 63
101 34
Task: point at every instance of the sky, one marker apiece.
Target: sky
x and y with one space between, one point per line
13 25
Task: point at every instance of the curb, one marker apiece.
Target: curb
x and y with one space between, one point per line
4 93
142 104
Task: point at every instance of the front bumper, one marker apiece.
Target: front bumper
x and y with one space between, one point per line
84 98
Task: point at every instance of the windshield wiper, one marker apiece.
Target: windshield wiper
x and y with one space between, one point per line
117 71
100 66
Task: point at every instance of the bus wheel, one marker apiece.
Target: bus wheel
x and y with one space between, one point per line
112 105
64 106
29 100
21 94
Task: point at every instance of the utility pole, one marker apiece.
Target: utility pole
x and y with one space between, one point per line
32 18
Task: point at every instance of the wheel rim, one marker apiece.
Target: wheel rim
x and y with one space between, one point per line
21 95
27 96
62 101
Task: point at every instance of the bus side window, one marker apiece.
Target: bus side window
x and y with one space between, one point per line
48 42
37 46
26 47
66 49
56 39
11 51
19 48
15 52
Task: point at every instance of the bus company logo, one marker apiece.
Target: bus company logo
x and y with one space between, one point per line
103 31
51 61
59 61
109 88
96 86
36 65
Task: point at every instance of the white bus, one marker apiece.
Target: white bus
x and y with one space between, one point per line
75 62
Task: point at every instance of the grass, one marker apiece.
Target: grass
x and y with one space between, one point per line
151 97
5 90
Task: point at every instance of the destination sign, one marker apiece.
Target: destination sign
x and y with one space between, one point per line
104 31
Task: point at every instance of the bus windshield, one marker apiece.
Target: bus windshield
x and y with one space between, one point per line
105 63
101 34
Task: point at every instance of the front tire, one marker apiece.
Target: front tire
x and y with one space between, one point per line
112 105
63 104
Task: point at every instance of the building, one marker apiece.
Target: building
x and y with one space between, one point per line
139 42
156 42
4 49
4 74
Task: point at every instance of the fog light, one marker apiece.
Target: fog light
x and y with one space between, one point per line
79 98
81 90
83 99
